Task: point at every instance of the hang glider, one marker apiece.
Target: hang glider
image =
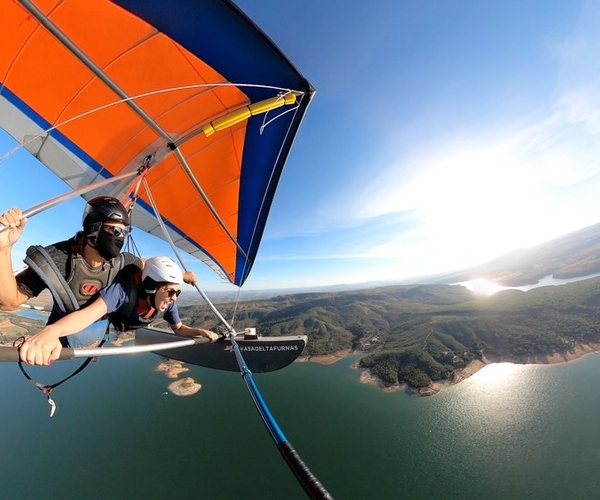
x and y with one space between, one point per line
193 95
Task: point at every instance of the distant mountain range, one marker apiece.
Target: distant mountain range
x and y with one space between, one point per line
570 256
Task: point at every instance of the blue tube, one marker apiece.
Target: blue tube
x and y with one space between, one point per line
313 488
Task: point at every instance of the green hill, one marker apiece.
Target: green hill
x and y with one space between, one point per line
417 334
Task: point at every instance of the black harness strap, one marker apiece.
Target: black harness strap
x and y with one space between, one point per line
118 263
40 261
47 388
136 313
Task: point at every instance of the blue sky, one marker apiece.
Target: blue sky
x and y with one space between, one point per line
443 134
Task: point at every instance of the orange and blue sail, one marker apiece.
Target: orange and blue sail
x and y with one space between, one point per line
194 89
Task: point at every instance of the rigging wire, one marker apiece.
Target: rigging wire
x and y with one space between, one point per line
41 207
179 258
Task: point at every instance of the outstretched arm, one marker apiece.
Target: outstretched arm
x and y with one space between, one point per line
10 295
188 331
44 347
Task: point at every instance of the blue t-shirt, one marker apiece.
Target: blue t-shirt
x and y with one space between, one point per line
117 296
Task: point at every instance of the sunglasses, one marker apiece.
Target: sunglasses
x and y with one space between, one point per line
171 292
117 231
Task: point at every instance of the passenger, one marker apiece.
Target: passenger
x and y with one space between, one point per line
132 301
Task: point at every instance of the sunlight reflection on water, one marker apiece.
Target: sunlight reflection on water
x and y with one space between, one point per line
498 407
497 373
507 432
489 287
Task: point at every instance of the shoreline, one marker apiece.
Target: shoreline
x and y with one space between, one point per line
325 359
366 377
474 366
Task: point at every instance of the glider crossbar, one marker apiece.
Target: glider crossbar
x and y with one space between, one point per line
222 123
163 228
12 353
184 164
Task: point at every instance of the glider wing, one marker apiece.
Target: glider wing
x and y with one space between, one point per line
193 90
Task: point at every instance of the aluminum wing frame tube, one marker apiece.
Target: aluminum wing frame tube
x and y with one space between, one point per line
184 164
79 54
11 354
44 21
97 71
41 207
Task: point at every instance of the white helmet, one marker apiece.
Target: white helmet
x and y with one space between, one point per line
160 270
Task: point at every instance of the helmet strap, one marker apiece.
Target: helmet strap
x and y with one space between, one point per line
149 285
152 299
91 231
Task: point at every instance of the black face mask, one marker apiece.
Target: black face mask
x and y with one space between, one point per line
108 245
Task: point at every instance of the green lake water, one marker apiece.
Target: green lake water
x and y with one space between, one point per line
522 432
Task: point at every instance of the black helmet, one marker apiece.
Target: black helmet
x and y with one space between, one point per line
104 209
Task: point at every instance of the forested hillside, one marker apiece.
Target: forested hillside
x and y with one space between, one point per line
421 333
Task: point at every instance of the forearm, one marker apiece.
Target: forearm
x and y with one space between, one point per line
10 295
44 347
79 320
184 331
188 331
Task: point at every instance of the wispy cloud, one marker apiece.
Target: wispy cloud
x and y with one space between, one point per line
466 199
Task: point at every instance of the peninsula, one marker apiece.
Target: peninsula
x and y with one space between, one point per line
424 336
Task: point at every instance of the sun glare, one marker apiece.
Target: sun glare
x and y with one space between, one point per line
496 373
482 286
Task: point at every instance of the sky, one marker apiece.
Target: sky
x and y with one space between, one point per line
443 134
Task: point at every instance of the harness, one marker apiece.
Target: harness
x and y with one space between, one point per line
82 282
137 313
69 294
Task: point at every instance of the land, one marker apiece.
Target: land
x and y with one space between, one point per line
421 337
473 367
425 336
14 326
570 256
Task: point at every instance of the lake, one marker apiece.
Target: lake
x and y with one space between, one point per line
510 431
488 287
